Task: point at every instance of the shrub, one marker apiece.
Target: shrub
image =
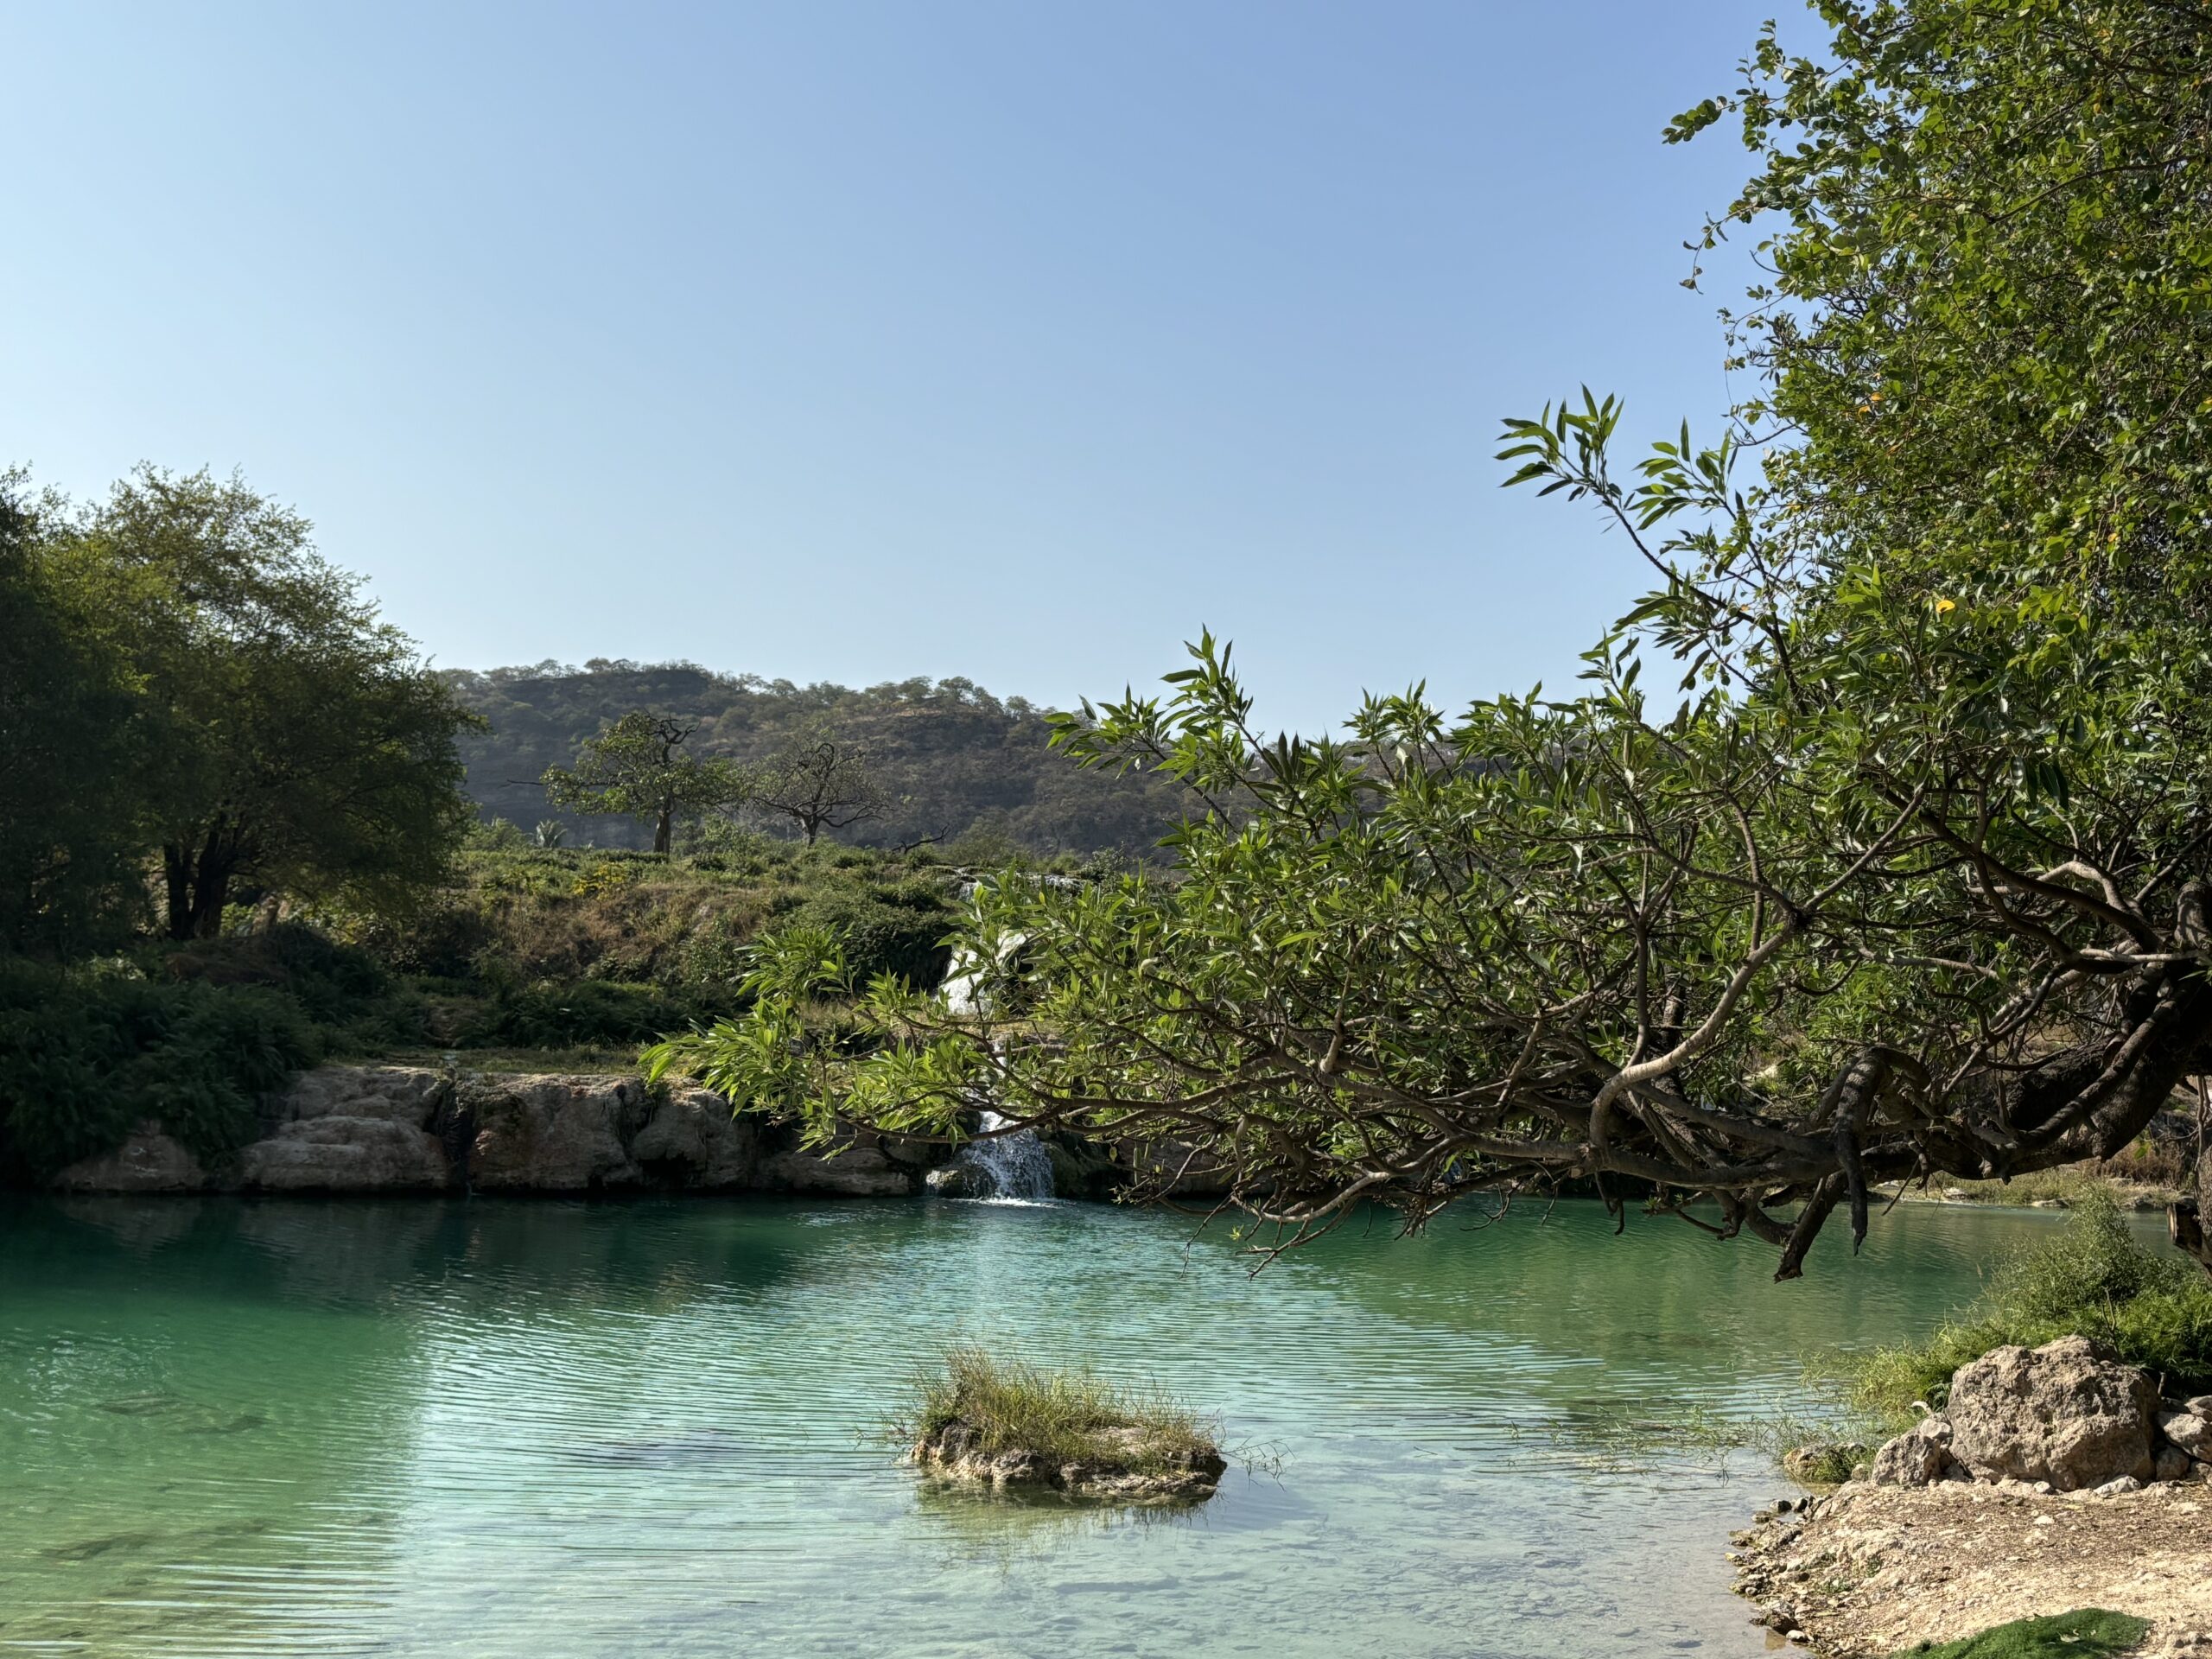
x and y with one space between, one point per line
2092 1279
900 937
83 1055
1061 1415
583 1013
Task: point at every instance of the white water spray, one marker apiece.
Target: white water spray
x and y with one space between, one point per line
1004 1168
1009 1168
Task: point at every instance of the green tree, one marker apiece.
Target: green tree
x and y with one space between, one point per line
71 811
820 780
640 768
294 743
1907 875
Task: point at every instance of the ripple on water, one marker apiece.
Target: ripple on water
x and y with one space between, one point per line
654 1429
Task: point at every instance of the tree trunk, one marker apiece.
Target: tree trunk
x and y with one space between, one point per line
198 884
2186 1219
664 829
176 866
210 895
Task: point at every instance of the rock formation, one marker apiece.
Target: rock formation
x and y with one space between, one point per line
1122 1468
401 1130
2062 1417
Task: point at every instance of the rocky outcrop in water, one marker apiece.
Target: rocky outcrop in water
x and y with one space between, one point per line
402 1129
1123 1468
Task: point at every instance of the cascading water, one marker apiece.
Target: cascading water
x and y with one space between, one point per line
1010 1168
1002 1169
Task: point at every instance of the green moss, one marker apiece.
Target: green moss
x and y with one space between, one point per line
2087 1631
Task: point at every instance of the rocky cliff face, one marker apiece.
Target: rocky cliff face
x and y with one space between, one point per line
399 1129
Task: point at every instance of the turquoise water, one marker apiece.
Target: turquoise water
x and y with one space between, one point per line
561 1429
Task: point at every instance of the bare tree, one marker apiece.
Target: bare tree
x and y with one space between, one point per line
820 780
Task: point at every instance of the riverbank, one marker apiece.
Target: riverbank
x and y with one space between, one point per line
2047 1189
394 1130
1868 1571
379 1131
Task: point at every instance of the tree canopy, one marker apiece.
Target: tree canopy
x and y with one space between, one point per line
1905 873
200 689
640 768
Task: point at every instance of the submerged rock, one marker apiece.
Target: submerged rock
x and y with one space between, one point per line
1121 1466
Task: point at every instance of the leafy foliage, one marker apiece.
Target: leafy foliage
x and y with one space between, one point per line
2092 1279
1905 875
2087 1631
639 767
69 815
201 685
85 1055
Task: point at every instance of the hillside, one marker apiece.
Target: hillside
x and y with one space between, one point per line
957 761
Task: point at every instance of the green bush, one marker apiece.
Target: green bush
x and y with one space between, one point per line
84 1055
902 933
2092 1279
585 1014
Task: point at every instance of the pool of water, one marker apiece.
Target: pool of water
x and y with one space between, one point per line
560 1429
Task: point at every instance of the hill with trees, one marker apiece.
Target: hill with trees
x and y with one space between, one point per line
953 763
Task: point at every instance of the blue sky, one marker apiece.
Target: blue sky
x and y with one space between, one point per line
860 341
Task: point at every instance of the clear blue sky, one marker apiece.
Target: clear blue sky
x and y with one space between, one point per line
846 340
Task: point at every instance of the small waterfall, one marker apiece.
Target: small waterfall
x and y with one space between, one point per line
1011 1168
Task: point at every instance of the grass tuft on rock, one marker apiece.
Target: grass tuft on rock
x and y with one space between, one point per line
2087 1631
2092 1279
1062 1416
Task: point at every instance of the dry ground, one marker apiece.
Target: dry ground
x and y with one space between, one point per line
1868 1571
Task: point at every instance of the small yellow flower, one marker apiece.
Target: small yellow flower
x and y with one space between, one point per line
1944 605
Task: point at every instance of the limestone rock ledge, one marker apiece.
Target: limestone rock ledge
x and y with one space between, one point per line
400 1129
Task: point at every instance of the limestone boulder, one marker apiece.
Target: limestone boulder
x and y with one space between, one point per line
860 1169
333 1153
2060 1413
411 1095
149 1160
692 1140
554 1133
1921 1456
2190 1432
